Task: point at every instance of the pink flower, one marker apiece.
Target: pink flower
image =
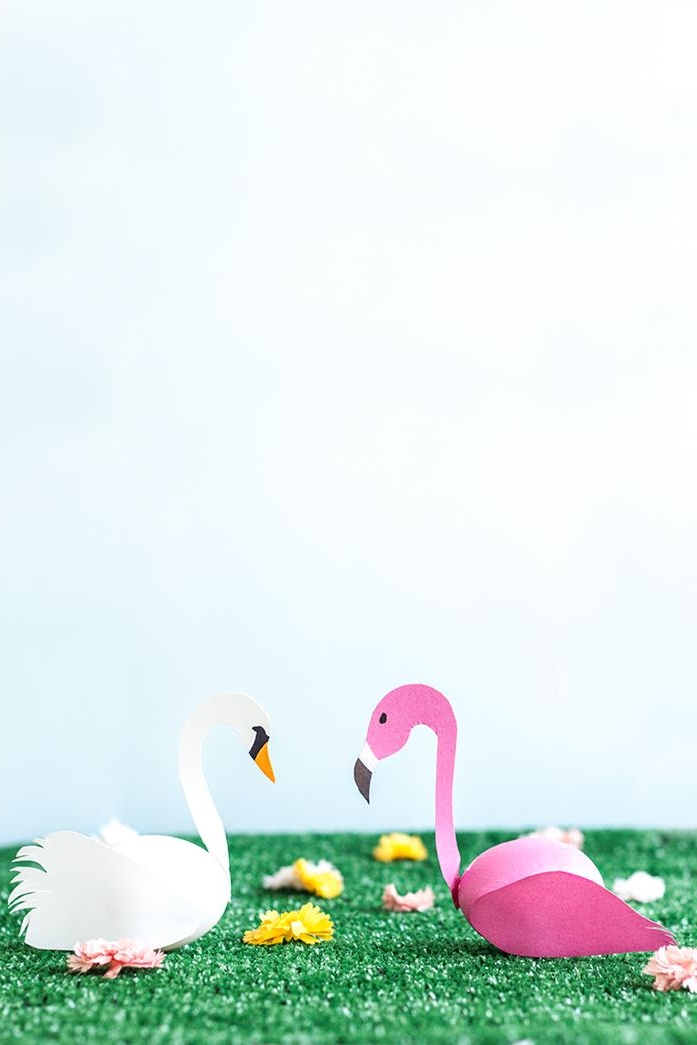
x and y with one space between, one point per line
90 955
115 954
572 836
421 900
673 967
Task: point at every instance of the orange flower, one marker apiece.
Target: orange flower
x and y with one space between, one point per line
308 924
399 846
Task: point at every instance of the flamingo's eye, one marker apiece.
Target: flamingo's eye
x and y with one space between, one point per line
383 719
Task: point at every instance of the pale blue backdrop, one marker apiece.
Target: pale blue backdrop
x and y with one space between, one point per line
346 345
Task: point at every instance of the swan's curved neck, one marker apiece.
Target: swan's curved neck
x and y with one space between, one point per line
199 799
445 728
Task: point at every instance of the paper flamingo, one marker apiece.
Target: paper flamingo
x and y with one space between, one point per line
163 891
529 897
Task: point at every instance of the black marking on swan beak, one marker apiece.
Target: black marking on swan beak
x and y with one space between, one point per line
362 775
261 738
259 751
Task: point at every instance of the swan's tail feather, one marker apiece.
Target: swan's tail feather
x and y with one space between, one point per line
29 880
21 896
32 852
76 888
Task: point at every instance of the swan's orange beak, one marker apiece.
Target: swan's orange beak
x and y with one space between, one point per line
264 762
259 751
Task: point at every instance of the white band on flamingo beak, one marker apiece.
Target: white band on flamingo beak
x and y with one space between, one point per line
368 758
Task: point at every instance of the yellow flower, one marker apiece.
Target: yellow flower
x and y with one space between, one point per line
269 930
308 924
398 846
321 879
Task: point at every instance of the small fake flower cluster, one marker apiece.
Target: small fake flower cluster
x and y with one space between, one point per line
399 846
111 956
640 886
309 925
572 836
114 833
322 878
673 967
421 900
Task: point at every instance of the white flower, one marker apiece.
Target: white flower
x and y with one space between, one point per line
640 886
290 877
114 833
284 878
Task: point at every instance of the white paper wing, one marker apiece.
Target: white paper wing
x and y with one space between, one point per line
76 888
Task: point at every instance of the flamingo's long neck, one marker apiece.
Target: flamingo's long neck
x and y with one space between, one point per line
446 842
198 796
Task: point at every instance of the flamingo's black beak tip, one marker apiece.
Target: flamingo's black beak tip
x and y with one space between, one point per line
362 775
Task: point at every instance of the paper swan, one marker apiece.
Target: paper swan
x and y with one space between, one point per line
529 897
162 890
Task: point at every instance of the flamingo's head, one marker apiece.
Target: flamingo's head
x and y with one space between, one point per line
388 731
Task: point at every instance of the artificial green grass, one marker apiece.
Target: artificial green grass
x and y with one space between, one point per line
385 978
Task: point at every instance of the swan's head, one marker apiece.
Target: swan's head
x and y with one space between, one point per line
391 723
258 737
250 722
259 751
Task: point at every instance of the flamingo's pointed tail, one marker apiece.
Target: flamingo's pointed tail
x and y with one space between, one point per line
561 915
